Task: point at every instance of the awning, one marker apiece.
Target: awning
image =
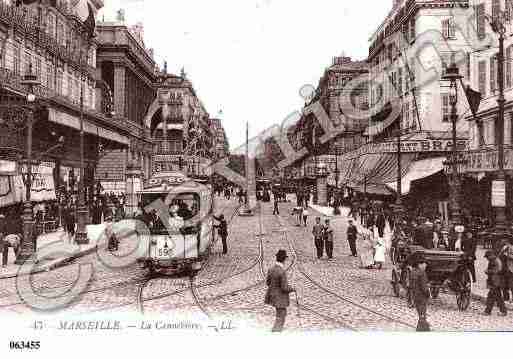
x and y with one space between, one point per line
418 170
65 119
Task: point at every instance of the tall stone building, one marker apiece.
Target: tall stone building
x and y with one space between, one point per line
128 70
180 128
56 40
408 54
221 145
332 87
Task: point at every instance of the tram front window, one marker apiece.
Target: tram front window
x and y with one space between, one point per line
180 209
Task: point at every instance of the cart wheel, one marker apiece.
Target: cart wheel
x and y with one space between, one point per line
395 283
392 256
463 297
435 291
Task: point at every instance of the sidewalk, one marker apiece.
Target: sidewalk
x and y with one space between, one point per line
57 249
479 290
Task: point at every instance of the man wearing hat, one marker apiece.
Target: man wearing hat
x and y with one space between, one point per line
222 230
278 290
352 232
494 284
421 292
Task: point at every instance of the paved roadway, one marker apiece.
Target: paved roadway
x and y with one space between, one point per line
334 295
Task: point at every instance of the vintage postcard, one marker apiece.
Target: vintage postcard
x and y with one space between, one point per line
254 169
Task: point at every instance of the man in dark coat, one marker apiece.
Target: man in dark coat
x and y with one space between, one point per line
352 232
495 284
421 292
222 230
317 235
278 290
469 246
327 234
96 212
276 209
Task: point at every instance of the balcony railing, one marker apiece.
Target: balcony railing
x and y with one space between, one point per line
16 17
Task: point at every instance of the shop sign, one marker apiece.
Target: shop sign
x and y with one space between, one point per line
487 161
498 194
166 158
413 146
7 167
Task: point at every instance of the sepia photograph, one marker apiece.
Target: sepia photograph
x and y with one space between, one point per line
249 170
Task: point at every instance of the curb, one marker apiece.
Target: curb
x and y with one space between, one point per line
57 263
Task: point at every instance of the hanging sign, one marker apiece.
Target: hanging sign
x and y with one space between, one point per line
498 194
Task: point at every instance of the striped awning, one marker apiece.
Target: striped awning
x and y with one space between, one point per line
418 170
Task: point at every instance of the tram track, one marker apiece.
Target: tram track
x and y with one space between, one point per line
261 282
323 291
193 286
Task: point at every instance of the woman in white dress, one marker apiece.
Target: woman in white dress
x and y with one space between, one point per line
379 253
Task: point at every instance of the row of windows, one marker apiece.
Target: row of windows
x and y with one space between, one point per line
491 67
51 77
497 8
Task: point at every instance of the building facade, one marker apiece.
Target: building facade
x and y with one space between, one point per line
180 127
128 71
221 145
55 40
332 87
417 35
482 161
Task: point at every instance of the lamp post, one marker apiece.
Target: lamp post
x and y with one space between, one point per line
336 210
452 76
497 24
28 244
82 211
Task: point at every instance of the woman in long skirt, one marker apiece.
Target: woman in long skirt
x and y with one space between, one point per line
379 253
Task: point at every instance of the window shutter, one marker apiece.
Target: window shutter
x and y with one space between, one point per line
493 75
445 29
482 77
445 107
508 67
480 18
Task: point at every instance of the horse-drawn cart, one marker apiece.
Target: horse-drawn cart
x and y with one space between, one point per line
445 269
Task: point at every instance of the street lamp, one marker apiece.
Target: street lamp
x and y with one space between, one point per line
336 210
451 77
497 24
28 243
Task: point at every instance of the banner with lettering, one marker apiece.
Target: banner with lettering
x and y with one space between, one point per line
487 160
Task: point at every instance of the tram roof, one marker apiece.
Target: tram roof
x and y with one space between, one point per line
170 182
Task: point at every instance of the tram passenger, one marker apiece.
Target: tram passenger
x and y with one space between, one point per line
175 220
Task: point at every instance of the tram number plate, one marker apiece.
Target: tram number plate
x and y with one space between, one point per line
165 252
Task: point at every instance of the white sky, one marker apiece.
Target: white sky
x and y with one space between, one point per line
251 57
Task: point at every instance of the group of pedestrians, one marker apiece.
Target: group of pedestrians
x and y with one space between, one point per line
323 238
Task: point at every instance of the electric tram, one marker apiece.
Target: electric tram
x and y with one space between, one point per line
177 212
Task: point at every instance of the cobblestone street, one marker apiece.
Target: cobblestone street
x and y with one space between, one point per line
335 294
